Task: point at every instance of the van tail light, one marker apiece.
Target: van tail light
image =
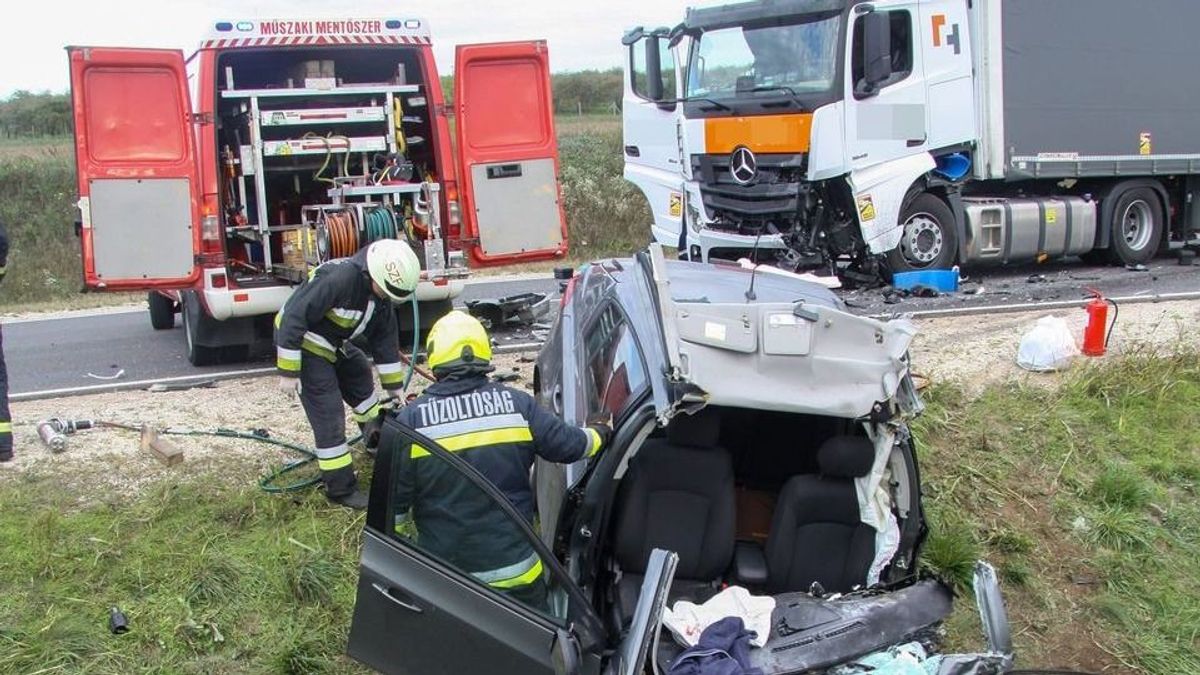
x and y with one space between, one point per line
219 281
454 216
210 229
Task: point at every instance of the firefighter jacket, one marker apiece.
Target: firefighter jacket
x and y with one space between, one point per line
334 305
498 431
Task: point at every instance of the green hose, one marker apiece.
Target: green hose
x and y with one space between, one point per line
267 483
380 224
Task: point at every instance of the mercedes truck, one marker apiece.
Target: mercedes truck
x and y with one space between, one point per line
897 135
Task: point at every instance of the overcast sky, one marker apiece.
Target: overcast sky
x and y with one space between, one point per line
581 33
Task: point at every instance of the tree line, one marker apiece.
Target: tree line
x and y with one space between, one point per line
26 114
29 115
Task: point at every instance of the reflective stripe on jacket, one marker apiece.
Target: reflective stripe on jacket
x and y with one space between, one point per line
498 431
336 304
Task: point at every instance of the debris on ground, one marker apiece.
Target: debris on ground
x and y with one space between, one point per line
161 448
1137 267
523 309
120 373
1037 279
118 623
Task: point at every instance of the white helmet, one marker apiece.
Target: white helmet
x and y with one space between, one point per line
394 268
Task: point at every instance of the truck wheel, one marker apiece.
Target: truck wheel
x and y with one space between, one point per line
929 241
197 354
162 311
1137 226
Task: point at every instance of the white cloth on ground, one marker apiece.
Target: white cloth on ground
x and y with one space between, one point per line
687 620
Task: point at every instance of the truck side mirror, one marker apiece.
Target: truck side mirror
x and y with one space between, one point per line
566 653
654 79
877 48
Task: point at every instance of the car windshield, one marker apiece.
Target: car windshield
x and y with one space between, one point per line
800 56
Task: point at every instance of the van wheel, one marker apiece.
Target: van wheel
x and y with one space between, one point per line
162 311
197 354
929 240
1137 226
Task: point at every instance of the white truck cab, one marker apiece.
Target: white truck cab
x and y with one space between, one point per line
900 135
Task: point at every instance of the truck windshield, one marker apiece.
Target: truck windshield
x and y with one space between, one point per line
795 58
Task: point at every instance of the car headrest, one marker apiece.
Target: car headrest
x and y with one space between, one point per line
698 430
846 457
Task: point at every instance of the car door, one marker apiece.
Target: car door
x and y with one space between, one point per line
508 153
136 168
419 609
651 127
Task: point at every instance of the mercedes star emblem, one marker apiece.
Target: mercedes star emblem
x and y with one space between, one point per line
743 165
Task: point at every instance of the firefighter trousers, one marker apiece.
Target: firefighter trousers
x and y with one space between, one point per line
6 437
324 385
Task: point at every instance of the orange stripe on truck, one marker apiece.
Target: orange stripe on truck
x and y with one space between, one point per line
762 133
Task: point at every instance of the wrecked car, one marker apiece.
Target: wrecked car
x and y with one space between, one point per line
760 440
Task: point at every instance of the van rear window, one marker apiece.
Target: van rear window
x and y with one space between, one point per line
134 116
501 104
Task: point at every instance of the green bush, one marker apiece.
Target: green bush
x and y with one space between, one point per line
37 206
606 215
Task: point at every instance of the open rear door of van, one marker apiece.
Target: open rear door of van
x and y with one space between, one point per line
508 153
135 155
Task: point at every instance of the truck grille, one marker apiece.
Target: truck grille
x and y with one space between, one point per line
774 190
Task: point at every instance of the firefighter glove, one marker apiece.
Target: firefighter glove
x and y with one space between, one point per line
289 385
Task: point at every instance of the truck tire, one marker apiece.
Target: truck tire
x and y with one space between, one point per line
1137 226
929 240
162 311
197 354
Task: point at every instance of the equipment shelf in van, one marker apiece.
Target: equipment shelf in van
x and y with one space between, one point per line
349 90
310 116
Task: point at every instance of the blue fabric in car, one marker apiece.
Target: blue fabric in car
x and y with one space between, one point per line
723 649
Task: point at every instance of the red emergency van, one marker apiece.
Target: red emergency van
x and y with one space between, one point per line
216 181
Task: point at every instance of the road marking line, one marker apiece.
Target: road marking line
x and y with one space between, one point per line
136 384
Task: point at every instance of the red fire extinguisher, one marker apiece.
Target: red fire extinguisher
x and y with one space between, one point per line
1095 335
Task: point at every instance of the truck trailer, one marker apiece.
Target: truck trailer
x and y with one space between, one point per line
896 135
217 182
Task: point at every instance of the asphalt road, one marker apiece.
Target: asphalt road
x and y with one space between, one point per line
44 356
68 353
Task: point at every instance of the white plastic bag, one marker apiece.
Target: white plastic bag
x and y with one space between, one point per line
1048 346
688 620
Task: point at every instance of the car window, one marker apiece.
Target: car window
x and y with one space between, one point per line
615 371
439 510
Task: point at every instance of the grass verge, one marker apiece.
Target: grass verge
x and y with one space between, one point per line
213 578
1085 497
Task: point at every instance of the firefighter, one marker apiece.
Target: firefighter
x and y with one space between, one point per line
497 430
344 300
6 437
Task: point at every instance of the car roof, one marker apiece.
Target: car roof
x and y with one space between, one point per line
723 283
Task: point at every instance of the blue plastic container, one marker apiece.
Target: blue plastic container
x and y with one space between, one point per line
944 281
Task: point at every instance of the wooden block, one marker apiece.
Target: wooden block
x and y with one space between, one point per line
163 450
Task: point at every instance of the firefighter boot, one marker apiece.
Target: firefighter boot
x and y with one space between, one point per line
341 487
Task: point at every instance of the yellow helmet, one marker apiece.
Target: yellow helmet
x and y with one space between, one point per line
457 339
